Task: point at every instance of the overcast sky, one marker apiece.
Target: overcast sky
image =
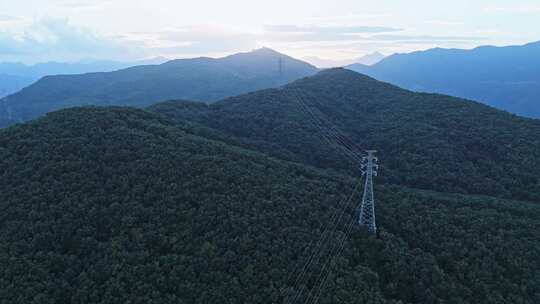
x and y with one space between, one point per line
71 30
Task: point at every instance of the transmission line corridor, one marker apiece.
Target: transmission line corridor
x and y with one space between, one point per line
330 244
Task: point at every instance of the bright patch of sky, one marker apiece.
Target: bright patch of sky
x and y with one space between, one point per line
71 30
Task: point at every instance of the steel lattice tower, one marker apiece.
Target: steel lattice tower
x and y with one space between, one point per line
280 68
367 209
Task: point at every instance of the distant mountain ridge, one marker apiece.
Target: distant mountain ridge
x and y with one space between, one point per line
15 76
203 79
368 59
371 59
13 83
507 78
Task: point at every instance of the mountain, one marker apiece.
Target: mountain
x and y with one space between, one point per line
204 79
12 83
507 78
15 76
117 205
39 70
368 59
426 141
323 63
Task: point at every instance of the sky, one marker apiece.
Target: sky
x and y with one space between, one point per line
73 30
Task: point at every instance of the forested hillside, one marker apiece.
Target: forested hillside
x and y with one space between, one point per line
202 79
507 77
118 205
426 141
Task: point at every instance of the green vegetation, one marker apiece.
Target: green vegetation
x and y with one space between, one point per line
117 205
224 203
425 141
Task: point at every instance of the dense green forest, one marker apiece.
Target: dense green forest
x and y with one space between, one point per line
118 205
425 141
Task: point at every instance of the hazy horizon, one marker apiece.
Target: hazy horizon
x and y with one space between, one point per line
34 31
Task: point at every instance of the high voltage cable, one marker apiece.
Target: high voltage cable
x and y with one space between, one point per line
319 121
329 133
316 251
324 238
333 256
350 144
326 134
343 139
339 138
320 228
305 109
335 135
367 218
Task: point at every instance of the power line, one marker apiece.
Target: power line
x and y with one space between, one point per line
346 141
334 137
332 130
327 135
333 257
321 245
366 218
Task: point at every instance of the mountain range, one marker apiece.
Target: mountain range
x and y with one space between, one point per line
203 79
368 59
15 76
503 77
186 202
507 78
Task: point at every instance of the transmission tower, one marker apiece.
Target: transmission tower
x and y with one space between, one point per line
280 68
367 209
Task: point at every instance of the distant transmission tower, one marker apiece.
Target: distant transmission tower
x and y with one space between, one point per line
367 209
280 68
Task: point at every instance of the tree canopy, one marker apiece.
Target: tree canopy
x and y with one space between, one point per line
426 141
118 205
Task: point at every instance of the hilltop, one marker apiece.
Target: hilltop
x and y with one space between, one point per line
426 141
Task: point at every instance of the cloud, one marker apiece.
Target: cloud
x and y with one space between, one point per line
348 18
358 29
448 23
195 40
428 38
524 8
387 43
84 4
294 33
57 39
203 39
4 18
332 40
